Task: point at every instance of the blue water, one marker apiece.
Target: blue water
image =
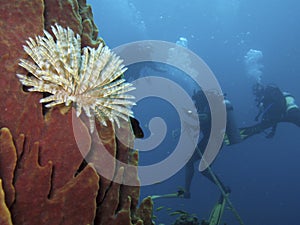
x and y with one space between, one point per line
263 174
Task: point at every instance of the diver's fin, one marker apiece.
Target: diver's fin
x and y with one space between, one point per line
226 140
243 133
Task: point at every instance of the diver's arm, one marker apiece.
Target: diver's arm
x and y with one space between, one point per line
260 111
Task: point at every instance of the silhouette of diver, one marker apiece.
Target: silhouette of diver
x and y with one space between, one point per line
274 106
232 136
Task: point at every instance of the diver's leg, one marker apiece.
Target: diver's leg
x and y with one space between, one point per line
189 174
293 116
189 167
246 132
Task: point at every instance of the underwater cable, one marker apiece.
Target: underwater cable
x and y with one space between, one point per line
225 195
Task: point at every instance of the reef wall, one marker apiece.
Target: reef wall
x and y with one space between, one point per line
43 178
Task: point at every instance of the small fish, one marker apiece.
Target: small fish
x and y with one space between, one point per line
178 212
159 208
137 130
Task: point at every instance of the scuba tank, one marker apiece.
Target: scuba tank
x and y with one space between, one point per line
232 131
290 101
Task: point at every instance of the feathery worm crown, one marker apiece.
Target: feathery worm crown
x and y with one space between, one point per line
89 78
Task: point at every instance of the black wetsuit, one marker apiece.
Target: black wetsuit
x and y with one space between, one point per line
203 108
274 109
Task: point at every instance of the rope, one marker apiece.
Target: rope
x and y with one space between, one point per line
225 195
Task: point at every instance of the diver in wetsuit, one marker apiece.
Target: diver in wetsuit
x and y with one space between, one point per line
232 137
274 106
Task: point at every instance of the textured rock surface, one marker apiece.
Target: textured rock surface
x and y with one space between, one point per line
44 179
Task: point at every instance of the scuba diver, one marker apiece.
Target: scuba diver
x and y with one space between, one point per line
274 106
232 136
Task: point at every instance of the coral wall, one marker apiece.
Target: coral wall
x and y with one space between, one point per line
43 176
